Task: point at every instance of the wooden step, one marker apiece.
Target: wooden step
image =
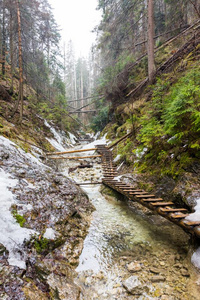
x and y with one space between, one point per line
145 196
178 216
136 194
153 200
191 223
111 172
173 209
162 203
131 190
114 173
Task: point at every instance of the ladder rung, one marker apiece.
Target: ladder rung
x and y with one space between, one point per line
145 196
191 223
173 209
131 190
153 200
162 203
178 216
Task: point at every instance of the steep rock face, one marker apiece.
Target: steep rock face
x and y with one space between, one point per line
55 211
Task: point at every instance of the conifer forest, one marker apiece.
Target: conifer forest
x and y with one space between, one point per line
99 149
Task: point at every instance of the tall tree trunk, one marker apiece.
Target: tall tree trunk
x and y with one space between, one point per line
11 46
75 86
20 95
196 6
3 41
150 44
20 61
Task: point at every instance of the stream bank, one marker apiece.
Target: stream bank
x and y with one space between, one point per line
44 220
126 252
130 253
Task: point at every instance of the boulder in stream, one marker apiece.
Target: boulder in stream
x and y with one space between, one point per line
134 286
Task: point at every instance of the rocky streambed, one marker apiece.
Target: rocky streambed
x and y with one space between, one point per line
44 220
97 246
130 253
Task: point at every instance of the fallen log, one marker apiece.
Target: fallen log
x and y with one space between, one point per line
70 151
75 157
88 183
121 139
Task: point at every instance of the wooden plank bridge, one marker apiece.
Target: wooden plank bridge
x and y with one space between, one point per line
166 209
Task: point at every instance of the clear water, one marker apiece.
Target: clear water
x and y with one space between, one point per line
119 235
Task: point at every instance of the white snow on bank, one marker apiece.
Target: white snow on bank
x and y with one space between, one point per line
12 235
140 152
195 259
8 145
49 234
117 158
56 145
60 141
100 141
119 167
118 177
72 138
196 215
97 135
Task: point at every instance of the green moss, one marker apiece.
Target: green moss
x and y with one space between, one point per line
20 219
41 245
44 246
1 126
145 186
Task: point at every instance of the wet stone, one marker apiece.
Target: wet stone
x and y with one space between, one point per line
134 286
62 288
155 270
134 267
21 173
4 155
157 278
184 272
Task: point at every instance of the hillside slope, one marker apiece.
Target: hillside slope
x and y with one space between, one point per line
163 154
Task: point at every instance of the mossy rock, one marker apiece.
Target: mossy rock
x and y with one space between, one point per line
3 250
20 219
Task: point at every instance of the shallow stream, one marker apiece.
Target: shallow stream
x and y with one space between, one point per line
123 242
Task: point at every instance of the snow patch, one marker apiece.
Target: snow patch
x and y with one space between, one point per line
101 141
193 217
195 259
60 141
49 234
117 158
12 235
119 167
72 138
56 145
97 135
140 152
14 149
118 177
